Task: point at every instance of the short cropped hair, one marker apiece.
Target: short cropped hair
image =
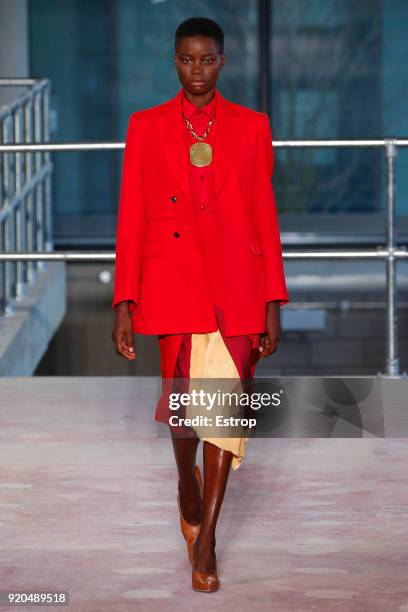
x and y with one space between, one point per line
200 26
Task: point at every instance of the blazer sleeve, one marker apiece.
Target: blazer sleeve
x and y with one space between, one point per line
266 217
130 220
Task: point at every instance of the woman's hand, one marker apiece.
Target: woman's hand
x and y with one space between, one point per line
269 341
122 334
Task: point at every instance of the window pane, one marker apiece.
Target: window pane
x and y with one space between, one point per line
338 72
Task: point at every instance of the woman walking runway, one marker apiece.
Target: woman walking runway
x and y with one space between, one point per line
199 265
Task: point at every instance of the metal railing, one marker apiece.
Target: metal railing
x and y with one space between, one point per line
389 252
25 186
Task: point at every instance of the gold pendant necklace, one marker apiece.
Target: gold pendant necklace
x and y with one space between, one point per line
200 152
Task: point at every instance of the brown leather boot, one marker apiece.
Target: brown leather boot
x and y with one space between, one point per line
190 532
205 583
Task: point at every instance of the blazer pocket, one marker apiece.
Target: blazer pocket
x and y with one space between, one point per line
152 248
256 247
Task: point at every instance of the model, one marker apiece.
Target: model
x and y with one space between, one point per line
199 261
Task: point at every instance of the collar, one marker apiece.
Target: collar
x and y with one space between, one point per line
189 108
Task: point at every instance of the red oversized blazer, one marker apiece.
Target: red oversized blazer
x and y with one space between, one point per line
158 262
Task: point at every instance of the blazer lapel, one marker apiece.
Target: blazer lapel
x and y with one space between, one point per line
168 123
229 128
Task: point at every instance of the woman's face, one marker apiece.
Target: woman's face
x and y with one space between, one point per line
198 63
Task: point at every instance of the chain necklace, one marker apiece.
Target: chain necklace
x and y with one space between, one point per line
200 152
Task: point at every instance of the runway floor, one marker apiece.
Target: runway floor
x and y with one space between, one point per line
88 505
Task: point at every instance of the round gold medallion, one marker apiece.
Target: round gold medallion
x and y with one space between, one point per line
201 154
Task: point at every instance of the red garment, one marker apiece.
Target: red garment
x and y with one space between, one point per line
175 352
175 349
158 262
202 186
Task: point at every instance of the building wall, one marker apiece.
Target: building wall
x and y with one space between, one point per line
13 44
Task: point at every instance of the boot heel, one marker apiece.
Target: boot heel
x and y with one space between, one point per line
205 583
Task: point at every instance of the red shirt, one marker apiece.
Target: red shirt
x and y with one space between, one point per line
202 185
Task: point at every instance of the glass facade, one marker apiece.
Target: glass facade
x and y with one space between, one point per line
334 69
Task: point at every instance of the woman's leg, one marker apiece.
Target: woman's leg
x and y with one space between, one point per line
185 451
217 463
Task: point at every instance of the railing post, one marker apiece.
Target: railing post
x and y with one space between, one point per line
7 225
39 189
49 243
392 361
28 130
20 229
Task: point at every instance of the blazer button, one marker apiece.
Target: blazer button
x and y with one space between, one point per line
176 234
173 198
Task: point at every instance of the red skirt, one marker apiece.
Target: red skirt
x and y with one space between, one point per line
189 357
